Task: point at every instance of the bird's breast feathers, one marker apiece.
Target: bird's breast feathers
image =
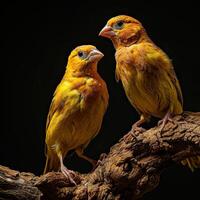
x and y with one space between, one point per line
145 74
76 112
86 90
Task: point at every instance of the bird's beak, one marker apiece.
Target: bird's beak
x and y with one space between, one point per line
95 54
107 32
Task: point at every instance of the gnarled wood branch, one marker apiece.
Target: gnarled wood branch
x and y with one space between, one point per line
132 167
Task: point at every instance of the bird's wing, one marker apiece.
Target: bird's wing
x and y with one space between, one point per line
157 58
175 81
66 99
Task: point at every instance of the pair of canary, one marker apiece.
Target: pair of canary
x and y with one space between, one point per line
81 99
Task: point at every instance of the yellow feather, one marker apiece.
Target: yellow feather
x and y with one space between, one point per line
146 72
77 108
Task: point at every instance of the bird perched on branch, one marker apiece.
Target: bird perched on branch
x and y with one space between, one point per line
146 72
77 109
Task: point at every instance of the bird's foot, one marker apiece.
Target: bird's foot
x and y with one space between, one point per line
99 162
137 125
135 132
138 128
162 123
68 174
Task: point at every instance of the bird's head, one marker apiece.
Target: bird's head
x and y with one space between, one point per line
123 30
83 59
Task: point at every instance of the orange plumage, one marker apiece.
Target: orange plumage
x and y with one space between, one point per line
146 72
77 109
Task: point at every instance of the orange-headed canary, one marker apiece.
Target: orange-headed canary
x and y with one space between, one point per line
146 72
77 109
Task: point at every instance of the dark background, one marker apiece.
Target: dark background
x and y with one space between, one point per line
36 43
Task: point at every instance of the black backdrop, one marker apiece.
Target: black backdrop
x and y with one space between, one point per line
36 42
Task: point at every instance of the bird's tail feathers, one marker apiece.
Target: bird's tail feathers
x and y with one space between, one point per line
52 163
192 162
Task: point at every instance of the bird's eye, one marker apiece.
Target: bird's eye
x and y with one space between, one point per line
119 25
82 54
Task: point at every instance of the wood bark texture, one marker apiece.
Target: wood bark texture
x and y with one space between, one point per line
131 168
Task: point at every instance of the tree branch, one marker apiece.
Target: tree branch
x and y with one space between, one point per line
131 169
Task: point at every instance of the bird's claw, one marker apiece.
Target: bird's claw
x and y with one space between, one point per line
100 161
68 174
138 129
160 122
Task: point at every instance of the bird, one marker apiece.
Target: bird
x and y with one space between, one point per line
146 72
77 109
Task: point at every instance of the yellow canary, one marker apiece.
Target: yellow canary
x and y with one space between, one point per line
77 109
146 73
